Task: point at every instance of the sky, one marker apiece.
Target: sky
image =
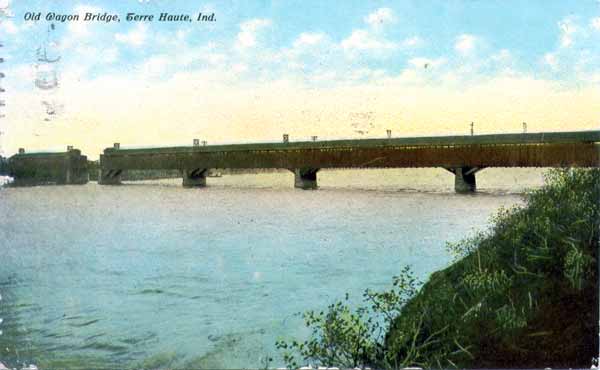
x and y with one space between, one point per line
334 69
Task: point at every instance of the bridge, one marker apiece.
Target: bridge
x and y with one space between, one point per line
59 168
463 156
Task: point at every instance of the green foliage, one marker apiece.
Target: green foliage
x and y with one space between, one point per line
347 337
514 289
465 247
508 319
506 301
485 283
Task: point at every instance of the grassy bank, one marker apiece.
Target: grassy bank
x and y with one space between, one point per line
523 294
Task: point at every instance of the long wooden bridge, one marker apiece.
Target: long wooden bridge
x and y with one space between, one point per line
463 156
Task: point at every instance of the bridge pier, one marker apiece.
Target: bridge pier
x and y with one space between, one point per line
195 177
77 175
109 177
305 178
464 179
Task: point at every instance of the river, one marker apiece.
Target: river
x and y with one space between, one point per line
152 274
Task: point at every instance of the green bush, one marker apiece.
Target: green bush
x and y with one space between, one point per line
347 337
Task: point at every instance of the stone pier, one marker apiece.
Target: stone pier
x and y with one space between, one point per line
464 178
305 178
194 178
108 176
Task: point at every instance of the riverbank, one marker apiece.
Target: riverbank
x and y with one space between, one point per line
524 294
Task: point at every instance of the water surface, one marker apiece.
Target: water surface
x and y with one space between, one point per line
157 275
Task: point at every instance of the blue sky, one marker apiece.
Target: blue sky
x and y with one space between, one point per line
403 31
318 47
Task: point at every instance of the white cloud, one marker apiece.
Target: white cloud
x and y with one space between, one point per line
207 53
426 62
155 65
239 68
24 72
136 37
80 28
365 40
207 56
380 17
89 55
412 42
109 55
309 53
207 9
577 51
567 30
550 60
181 35
247 37
10 27
502 55
366 74
503 59
5 9
77 30
465 43
308 39
312 43
216 58
372 38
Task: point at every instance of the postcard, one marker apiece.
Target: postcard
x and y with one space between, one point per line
273 184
